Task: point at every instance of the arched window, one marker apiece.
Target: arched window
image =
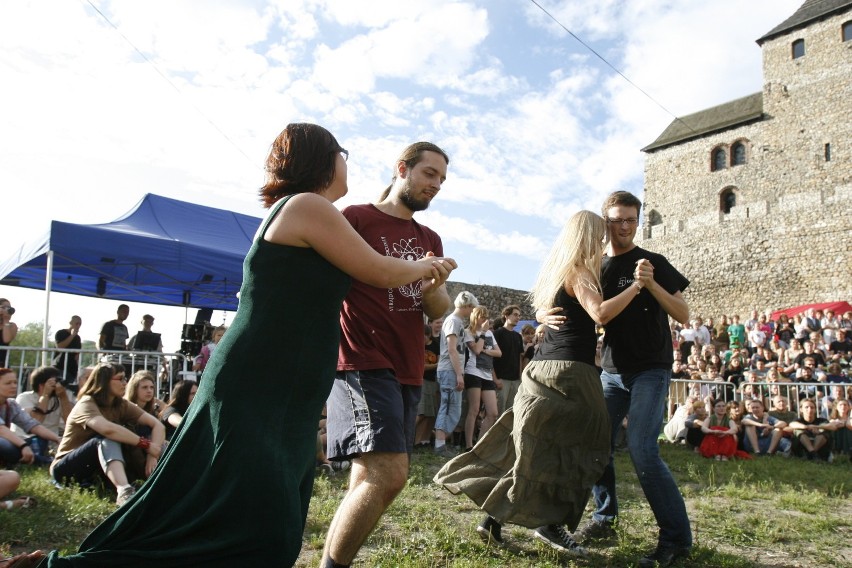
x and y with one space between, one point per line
727 200
798 48
738 154
654 217
847 31
718 160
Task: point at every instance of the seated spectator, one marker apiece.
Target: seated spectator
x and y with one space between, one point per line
720 434
141 391
694 423
751 389
14 448
841 418
680 369
172 415
734 371
736 411
763 433
200 362
91 446
841 348
675 429
811 433
789 360
809 353
835 374
48 402
780 409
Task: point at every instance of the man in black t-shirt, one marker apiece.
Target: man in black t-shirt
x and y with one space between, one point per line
637 362
507 367
114 333
67 362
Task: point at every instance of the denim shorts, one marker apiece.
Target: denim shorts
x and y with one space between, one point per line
370 411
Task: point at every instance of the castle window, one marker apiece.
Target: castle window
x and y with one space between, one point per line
727 200
738 154
828 152
654 217
847 31
798 48
719 161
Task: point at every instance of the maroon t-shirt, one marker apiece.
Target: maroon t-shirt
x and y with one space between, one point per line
382 328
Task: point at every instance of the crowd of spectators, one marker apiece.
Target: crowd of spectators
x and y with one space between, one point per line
784 385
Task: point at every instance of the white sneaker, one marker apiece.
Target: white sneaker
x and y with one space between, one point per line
124 495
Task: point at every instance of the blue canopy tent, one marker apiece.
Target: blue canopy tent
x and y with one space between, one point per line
163 251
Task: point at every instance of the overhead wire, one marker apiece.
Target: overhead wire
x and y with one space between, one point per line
170 82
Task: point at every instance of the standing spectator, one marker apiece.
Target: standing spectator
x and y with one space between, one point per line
451 371
8 328
636 360
49 403
478 374
756 337
689 338
427 408
784 331
722 339
508 367
13 448
68 362
200 362
736 333
530 344
114 333
380 366
703 334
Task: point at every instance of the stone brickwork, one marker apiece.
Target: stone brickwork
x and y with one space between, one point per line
788 239
494 298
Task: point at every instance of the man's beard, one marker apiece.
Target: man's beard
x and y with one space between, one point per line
410 201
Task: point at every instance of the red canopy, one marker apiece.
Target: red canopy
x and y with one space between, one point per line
839 308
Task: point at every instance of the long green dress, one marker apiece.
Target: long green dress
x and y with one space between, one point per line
234 485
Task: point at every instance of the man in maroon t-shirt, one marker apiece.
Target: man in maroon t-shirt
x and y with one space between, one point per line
373 403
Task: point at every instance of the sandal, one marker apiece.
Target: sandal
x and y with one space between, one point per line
20 503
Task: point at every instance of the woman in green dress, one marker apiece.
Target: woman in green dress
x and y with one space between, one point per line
233 487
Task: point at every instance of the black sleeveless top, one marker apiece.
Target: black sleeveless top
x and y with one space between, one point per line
575 340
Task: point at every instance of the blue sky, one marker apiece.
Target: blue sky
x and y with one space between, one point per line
536 126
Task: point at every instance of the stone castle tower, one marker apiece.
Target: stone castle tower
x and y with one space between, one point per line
751 199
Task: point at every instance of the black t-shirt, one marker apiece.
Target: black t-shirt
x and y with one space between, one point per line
508 365
639 338
841 346
819 360
575 340
59 362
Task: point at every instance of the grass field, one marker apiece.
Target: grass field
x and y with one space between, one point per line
767 512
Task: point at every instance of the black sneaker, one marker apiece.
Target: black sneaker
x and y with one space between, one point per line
489 532
596 531
664 556
558 538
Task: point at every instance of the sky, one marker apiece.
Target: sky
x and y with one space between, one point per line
104 101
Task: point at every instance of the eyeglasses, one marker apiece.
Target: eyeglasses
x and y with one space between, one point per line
628 222
121 378
345 154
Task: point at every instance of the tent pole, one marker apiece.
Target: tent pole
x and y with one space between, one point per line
48 284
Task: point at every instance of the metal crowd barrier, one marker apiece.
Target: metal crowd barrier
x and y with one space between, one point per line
168 368
793 391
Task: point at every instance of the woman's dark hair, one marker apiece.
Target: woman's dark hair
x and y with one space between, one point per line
179 399
302 160
98 383
41 375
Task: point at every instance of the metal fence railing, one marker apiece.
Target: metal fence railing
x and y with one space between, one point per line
167 367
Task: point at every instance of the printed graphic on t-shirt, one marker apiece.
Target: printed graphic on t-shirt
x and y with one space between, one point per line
406 249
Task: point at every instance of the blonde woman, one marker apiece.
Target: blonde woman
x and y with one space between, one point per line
479 374
536 466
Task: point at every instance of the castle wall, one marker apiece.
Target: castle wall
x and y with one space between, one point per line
788 240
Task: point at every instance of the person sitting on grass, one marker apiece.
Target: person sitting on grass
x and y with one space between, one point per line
47 402
841 417
811 433
720 434
91 446
14 448
764 434
172 415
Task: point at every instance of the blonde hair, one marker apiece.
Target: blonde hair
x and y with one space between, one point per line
579 245
478 313
465 299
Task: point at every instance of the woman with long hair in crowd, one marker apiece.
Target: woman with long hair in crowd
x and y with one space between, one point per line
182 395
537 464
720 433
234 484
479 374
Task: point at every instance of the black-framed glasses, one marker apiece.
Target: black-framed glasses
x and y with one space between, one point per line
628 222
